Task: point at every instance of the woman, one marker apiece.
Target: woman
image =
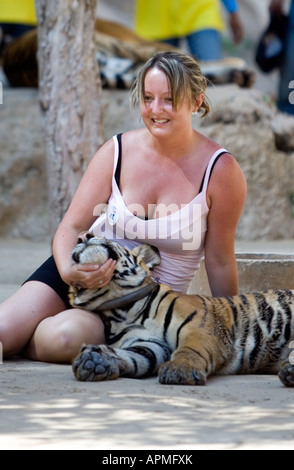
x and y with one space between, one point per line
168 165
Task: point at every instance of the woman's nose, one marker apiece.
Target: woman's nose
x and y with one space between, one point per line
157 106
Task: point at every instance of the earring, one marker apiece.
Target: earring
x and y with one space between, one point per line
195 113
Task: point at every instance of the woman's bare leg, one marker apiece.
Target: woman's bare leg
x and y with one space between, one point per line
23 312
58 339
34 322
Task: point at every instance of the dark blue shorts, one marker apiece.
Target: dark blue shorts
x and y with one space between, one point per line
48 274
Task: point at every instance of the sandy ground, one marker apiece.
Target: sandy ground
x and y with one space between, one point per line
42 406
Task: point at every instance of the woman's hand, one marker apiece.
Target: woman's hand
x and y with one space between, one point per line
91 276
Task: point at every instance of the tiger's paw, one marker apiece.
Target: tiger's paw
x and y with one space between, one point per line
96 363
171 373
286 374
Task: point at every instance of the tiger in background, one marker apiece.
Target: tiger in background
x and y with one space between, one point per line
120 54
151 329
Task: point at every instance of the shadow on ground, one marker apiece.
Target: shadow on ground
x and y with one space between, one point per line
43 406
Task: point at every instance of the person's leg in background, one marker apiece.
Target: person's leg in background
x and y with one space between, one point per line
206 45
175 42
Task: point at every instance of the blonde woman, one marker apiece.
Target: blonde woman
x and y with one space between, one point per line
165 184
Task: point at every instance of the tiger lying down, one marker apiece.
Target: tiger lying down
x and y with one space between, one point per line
151 329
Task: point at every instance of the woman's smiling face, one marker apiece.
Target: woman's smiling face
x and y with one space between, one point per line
157 110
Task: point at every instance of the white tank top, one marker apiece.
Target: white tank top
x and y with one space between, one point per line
180 236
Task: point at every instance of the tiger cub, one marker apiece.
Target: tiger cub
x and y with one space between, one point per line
151 329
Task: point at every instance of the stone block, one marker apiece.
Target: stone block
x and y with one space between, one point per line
23 180
257 272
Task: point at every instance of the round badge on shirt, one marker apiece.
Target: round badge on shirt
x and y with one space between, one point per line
112 215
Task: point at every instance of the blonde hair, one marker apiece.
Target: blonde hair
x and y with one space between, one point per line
184 75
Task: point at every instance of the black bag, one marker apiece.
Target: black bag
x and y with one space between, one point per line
270 50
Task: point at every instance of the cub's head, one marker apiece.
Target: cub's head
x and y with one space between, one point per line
131 272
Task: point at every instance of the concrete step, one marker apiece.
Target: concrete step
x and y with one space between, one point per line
257 272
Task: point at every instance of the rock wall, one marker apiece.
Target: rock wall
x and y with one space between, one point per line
243 121
23 194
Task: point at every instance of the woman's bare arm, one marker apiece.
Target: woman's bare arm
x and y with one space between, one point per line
94 189
226 196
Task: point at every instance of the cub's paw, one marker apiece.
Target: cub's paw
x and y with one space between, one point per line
96 363
180 374
286 374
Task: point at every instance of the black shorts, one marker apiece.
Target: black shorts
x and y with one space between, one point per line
49 275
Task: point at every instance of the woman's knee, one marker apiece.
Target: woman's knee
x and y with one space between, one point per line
76 327
59 339
21 314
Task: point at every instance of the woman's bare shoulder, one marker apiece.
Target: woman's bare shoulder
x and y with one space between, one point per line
134 136
228 168
227 182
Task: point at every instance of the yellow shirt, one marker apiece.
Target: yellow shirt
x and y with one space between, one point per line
18 11
163 19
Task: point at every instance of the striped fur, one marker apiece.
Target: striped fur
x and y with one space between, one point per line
182 338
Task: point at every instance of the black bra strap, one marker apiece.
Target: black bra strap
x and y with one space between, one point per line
217 158
118 166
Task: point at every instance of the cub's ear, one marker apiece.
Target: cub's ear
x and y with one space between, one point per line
149 254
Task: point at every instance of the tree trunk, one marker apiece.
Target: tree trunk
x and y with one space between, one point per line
70 93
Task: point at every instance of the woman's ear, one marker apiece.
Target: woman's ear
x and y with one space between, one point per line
198 103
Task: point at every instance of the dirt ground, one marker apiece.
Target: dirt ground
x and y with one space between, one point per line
42 406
